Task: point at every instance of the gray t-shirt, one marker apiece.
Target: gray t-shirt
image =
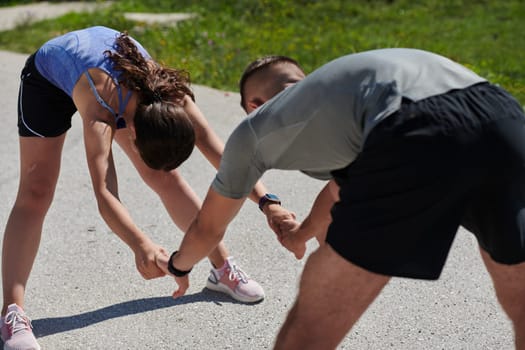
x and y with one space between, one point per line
319 124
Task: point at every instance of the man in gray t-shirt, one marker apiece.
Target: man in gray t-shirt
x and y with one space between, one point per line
412 145
320 125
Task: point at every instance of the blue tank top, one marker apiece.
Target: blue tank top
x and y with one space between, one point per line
64 59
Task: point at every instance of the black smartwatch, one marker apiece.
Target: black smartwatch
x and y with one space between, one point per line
268 197
173 270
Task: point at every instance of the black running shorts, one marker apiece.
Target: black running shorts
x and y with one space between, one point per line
445 161
43 109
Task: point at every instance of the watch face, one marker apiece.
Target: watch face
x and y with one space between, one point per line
268 197
272 196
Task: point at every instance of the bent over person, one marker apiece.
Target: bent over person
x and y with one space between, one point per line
412 145
121 94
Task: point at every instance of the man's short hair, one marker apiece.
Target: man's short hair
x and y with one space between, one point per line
260 64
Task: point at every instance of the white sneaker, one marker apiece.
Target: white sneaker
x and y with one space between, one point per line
16 330
230 279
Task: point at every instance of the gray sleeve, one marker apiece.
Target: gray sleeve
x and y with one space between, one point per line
238 171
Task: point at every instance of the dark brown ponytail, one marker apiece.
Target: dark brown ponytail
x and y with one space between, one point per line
165 134
147 77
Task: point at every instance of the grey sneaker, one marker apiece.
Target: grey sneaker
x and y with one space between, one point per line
17 331
230 279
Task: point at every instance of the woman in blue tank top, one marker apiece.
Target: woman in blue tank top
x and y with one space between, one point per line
121 94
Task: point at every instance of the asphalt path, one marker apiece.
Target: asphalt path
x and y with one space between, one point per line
85 293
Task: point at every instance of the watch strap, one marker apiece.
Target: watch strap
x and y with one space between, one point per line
173 270
268 198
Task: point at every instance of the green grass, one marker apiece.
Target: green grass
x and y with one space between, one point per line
485 35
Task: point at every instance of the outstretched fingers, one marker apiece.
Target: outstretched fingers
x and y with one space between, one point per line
183 283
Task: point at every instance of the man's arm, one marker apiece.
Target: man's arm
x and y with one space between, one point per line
315 224
206 231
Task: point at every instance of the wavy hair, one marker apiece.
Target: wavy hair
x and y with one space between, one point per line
165 136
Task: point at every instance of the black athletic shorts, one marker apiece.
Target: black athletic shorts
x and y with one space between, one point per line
445 161
43 109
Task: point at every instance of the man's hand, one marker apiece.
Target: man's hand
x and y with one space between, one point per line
278 218
292 239
283 222
146 258
183 283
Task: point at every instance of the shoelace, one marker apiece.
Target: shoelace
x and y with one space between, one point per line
17 321
237 274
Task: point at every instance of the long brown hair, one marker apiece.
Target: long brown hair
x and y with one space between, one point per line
164 132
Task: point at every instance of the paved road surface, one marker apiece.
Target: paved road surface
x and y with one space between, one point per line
84 291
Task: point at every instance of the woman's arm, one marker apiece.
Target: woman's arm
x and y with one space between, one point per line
211 145
98 137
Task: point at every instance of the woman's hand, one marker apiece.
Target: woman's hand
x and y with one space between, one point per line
146 258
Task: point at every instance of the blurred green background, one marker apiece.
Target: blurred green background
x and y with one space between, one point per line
485 35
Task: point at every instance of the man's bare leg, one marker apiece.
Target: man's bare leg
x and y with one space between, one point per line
509 282
333 294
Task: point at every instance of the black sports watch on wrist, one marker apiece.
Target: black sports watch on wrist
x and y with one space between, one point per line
268 198
173 270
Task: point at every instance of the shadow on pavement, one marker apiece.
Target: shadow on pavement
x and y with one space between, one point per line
48 326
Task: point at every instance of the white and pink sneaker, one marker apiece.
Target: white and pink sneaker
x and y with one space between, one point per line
230 279
17 331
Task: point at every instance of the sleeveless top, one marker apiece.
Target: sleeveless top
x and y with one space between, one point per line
64 59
